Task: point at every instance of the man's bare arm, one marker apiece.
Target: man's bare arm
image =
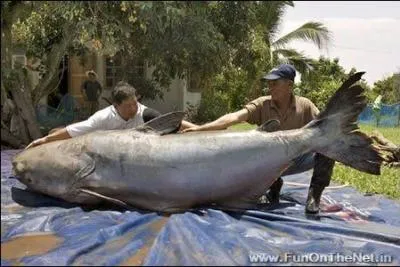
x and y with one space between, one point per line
222 122
60 134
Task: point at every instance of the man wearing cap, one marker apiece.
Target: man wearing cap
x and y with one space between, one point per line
91 90
293 112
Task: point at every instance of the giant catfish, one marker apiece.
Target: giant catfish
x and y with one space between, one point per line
149 170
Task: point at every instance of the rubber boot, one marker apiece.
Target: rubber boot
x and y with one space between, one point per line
321 178
313 199
274 191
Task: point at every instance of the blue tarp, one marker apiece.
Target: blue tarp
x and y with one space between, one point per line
40 230
67 112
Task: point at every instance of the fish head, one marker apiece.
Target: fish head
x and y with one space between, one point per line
45 170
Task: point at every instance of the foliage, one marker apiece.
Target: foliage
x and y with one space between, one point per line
387 88
175 37
327 75
261 50
196 38
211 107
233 83
323 81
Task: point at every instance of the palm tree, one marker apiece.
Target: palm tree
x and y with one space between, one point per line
277 46
314 32
268 49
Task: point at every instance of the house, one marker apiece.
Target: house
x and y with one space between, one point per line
177 97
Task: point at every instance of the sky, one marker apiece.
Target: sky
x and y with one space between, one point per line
364 35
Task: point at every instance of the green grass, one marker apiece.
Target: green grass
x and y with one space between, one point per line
387 184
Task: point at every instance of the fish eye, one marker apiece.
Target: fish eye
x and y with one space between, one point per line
29 180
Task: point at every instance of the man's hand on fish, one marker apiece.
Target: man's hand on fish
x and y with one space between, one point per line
191 129
37 142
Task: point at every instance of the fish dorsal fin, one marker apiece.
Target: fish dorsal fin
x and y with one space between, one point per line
164 124
270 126
109 199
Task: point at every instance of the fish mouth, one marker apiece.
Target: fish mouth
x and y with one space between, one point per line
18 175
14 174
24 179
18 167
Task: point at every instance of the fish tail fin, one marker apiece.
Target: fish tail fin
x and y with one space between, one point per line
340 137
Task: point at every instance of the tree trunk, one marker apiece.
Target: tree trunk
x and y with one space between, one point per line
22 98
54 58
5 52
14 81
25 99
8 138
8 113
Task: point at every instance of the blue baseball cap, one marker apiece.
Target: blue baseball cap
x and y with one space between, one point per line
284 71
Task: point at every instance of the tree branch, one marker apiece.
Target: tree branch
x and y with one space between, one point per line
53 62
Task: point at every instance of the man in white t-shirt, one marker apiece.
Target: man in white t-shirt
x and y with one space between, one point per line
126 112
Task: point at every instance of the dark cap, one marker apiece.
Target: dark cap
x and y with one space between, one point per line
284 71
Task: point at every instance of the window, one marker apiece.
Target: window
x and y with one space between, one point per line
113 68
119 68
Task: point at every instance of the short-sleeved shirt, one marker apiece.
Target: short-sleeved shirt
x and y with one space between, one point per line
300 112
109 119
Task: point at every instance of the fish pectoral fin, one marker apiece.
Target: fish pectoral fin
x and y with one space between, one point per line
86 165
270 126
109 199
164 124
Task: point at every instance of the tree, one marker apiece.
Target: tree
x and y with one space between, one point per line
325 78
177 38
261 50
171 36
20 108
387 88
